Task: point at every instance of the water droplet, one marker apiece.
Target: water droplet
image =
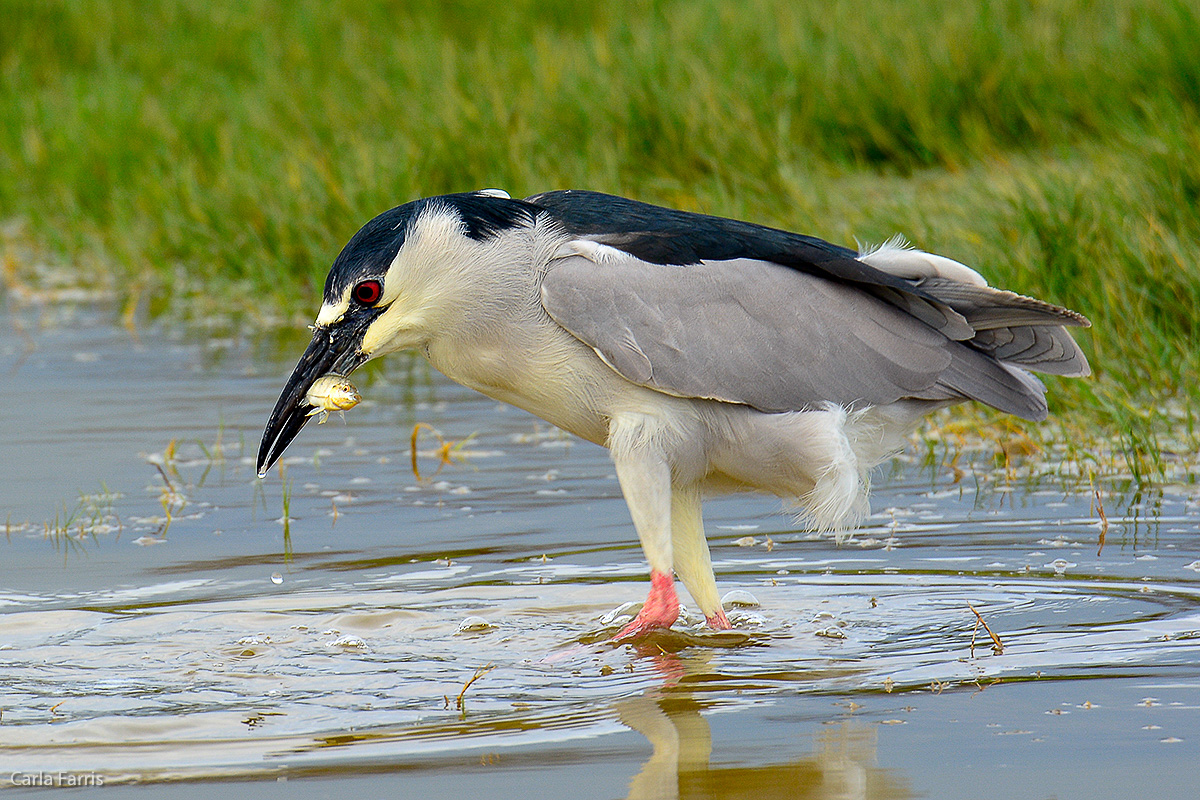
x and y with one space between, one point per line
831 633
1060 566
474 625
347 643
621 612
276 578
248 641
740 598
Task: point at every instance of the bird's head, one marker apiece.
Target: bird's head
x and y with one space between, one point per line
384 294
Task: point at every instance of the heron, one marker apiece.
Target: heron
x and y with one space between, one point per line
709 355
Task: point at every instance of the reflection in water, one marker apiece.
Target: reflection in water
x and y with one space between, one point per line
219 652
841 768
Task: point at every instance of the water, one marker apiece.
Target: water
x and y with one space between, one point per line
162 623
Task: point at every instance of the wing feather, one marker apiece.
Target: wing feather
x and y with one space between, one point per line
752 332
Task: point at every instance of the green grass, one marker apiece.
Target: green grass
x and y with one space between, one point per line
215 156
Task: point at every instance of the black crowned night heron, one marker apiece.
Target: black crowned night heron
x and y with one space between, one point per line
708 355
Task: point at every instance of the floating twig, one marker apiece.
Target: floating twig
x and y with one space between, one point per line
1098 500
479 673
997 645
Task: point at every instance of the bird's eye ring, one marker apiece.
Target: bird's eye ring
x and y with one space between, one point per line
368 292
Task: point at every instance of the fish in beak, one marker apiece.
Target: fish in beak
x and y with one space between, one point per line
333 350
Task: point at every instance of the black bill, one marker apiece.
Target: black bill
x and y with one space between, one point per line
334 349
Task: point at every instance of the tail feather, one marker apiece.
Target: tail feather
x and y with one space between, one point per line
1014 330
1040 348
985 307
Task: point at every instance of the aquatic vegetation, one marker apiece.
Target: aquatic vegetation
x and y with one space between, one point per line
447 452
92 516
286 519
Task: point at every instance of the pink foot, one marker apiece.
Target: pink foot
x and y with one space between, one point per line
718 621
660 610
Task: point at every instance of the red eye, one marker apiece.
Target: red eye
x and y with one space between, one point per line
368 292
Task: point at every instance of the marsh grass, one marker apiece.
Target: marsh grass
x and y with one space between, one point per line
210 159
93 515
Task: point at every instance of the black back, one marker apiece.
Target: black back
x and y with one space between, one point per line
667 236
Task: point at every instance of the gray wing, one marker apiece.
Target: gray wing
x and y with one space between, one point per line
752 332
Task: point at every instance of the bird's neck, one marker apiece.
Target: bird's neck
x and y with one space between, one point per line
499 340
485 313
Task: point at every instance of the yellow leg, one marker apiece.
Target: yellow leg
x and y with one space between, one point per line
645 479
689 547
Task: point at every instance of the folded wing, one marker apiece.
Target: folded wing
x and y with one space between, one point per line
779 339
702 306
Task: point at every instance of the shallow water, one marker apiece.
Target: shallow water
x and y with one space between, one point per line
168 627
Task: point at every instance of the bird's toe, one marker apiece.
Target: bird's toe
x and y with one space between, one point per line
718 621
660 610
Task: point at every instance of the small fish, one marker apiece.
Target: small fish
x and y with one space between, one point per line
332 393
